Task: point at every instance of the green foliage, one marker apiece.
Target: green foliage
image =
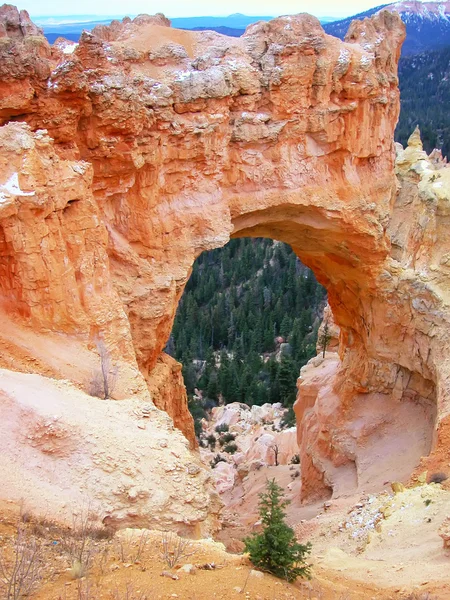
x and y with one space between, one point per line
325 338
238 300
231 448
425 94
222 428
217 459
226 438
211 441
289 419
198 413
276 549
295 460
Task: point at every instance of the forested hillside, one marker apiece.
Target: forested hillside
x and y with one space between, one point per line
246 323
425 98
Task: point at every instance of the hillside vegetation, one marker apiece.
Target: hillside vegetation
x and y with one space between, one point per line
246 324
425 99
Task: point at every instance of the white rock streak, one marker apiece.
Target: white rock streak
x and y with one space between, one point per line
12 187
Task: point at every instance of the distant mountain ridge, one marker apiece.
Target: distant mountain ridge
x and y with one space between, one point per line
236 21
427 24
229 31
71 28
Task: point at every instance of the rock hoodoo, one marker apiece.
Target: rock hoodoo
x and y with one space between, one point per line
122 158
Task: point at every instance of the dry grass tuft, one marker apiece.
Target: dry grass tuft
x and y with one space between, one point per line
21 568
175 549
131 549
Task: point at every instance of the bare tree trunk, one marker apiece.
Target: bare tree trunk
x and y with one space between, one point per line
276 451
103 381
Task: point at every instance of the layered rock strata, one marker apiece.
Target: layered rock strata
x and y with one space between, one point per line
399 412
127 155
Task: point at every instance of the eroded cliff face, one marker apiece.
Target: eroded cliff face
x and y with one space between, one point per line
399 411
160 144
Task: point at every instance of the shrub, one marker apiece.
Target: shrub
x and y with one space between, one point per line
211 439
198 413
175 549
295 460
288 419
222 428
131 547
217 459
276 549
129 593
78 543
21 575
230 448
228 437
438 478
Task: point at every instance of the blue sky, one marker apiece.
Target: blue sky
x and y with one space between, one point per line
183 8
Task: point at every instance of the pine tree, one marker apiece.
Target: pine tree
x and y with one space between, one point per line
237 301
276 549
287 379
325 338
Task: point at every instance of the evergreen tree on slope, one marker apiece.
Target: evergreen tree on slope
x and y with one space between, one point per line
276 549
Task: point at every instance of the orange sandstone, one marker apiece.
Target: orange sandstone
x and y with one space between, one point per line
161 144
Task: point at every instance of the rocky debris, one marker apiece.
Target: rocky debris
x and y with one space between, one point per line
444 532
242 418
95 453
383 513
397 487
257 437
365 518
51 436
188 568
147 411
225 476
384 537
170 575
256 574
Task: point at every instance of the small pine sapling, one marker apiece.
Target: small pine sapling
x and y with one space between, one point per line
325 338
276 550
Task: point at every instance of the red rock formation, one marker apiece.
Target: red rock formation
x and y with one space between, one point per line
362 439
167 389
196 137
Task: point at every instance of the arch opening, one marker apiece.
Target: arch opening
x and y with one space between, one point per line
365 415
250 309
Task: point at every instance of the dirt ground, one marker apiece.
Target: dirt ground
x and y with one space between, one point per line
387 540
357 555
116 574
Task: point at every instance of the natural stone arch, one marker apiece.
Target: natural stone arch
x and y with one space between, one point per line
195 137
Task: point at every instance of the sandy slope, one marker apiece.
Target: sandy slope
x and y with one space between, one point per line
62 449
